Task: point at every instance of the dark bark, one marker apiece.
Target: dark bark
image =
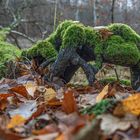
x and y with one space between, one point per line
70 59
67 58
135 78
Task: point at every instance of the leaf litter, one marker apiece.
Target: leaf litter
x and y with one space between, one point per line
31 109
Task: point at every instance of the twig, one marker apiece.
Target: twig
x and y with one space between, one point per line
23 35
55 14
117 76
16 41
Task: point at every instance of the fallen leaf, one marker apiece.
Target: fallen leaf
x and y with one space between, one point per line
132 104
5 95
110 124
6 135
16 121
54 102
129 105
40 132
102 94
60 137
69 104
112 92
85 100
3 104
85 90
31 87
50 128
68 119
20 89
119 110
51 136
38 112
49 94
25 109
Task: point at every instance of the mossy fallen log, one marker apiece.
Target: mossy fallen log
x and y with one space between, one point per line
75 44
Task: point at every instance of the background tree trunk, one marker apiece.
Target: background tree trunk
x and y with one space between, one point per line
112 11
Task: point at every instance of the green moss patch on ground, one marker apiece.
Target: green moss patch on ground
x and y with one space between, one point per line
8 52
99 108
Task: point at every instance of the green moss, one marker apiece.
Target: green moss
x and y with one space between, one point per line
3 33
119 52
8 52
52 39
99 108
126 32
114 39
41 48
74 36
114 79
92 37
63 26
56 37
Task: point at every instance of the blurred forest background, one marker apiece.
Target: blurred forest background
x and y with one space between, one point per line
36 19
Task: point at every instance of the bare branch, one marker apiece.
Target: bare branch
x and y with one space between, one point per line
23 35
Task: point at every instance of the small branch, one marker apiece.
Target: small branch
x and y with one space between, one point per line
16 41
55 15
23 35
117 76
44 34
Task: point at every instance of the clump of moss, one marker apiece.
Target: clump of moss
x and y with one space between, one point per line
52 39
56 37
114 39
74 36
126 32
120 52
92 37
43 49
63 26
8 52
99 108
3 33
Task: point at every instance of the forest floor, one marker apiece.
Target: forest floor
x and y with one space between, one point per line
31 109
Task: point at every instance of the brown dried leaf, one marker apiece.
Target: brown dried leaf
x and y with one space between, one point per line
3 104
20 89
102 94
54 102
69 104
6 135
6 95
